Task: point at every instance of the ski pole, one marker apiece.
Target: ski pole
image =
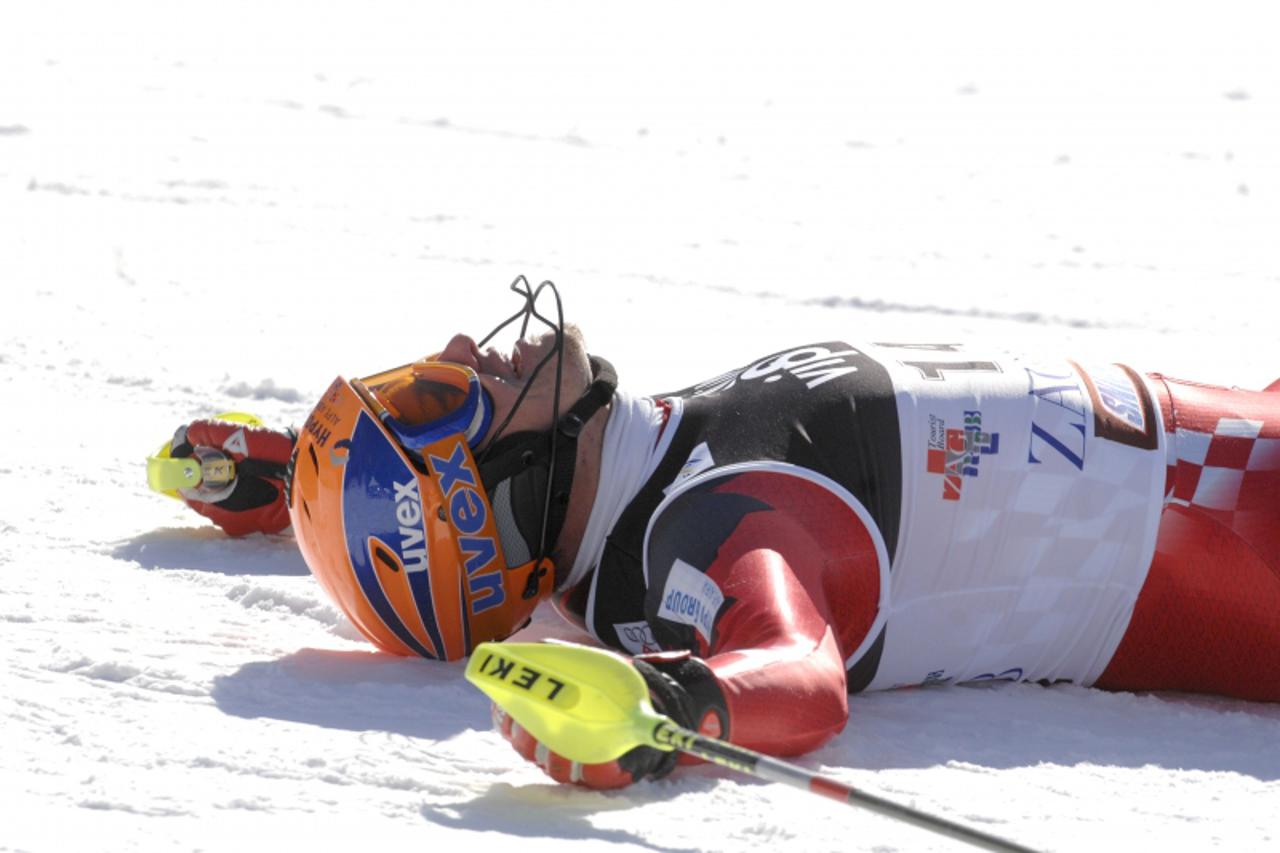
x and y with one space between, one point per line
592 706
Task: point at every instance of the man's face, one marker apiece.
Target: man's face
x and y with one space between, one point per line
504 375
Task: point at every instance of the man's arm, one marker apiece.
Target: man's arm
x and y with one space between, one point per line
254 502
773 577
760 584
775 659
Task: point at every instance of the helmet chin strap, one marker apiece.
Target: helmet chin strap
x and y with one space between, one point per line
529 476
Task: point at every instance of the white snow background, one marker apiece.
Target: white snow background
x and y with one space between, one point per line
221 206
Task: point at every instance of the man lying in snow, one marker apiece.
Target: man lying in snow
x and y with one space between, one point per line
827 519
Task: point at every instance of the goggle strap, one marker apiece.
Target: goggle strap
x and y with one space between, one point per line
480 421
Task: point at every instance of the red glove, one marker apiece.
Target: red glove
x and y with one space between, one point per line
632 767
680 686
254 502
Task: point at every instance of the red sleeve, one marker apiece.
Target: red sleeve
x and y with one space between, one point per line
800 576
777 662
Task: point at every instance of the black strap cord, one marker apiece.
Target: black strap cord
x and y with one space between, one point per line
555 453
568 428
532 459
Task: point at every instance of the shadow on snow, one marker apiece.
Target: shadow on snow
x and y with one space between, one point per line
207 549
550 811
355 691
1009 725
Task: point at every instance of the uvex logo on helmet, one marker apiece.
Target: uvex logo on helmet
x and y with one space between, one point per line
413 536
469 514
384 535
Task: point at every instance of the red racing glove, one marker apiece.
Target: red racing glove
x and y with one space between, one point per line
254 502
680 686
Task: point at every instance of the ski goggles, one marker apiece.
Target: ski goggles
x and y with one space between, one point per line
426 401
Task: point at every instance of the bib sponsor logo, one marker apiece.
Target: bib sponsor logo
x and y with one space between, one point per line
1058 420
1012 674
813 365
1120 400
636 637
1123 411
469 515
956 453
691 598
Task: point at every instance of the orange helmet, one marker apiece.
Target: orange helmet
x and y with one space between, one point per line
426 551
407 547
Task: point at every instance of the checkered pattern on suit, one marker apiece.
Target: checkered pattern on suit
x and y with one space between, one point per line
1208 616
1225 460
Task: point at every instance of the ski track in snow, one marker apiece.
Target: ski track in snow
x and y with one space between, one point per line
211 216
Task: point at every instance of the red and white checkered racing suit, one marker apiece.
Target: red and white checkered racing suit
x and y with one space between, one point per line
836 517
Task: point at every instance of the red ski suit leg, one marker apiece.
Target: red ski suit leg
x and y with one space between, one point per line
1208 617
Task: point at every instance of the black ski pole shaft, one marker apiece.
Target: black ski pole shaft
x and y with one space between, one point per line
771 769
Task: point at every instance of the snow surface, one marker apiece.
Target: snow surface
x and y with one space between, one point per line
209 207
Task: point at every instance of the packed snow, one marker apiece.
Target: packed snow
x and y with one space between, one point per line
221 207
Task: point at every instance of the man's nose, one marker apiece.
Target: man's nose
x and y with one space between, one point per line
461 349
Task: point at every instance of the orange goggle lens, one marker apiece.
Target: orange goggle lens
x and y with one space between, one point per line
426 401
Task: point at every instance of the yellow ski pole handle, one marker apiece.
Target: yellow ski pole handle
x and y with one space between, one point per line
592 706
168 475
165 474
587 704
